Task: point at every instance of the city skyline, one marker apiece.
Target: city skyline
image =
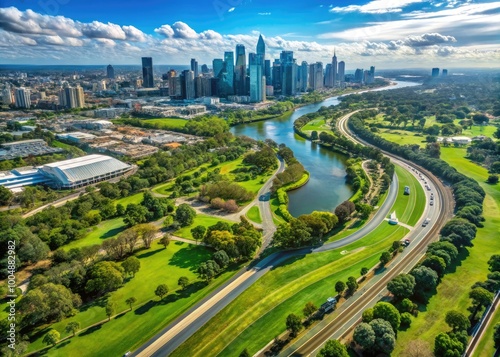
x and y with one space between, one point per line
405 33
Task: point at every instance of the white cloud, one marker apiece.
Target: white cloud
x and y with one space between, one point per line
231 9
376 6
264 13
134 34
97 29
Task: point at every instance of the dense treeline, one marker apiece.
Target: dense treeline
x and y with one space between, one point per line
239 116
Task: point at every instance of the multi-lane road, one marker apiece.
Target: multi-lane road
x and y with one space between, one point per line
187 324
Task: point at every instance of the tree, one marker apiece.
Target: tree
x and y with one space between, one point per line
496 335
131 301
342 212
435 263
309 309
385 338
161 291
402 286
165 240
131 265
208 270
52 337
135 214
104 277
130 237
183 282
364 271
339 287
198 232
385 258
407 305
492 179
293 234
367 315
293 324
446 346
147 232
364 336
185 215
333 348
457 321
494 262
110 309
221 258
245 353
6 196
480 298
72 327
417 348
352 284
387 312
405 319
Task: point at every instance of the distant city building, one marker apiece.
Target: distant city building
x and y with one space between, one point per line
70 97
229 70
7 95
304 76
261 51
445 72
147 72
187 85
204 69
217 66
334 70
194 67
110 71
358 76
22 98
435 72
240 71
267 72
277 75
341 73
256 92
316 76
328 79
288 73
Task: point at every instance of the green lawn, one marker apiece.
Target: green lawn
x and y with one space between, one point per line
200 220
486 346
317 124
253 214
285 289
402 137
116 337
137 198
409 208
453 292
168 123
105 229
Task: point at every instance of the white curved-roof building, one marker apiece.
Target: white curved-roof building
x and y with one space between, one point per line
84 170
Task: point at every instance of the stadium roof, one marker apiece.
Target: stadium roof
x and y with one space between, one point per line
83 168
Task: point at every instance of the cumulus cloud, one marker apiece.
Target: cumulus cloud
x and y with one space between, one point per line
134 34
376 6
97 29
428 39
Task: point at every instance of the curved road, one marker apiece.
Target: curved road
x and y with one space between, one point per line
166 341
349 314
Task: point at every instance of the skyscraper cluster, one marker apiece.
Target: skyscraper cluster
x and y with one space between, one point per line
243 77
72 97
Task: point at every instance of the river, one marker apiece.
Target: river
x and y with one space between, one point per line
326 188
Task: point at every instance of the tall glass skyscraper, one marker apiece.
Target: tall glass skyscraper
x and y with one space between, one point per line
194 67
334 69
147 72
110 71
341 74
240 71
229 69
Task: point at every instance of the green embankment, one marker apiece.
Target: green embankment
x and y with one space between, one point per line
453 291
199 220
253 214
405 203
114 338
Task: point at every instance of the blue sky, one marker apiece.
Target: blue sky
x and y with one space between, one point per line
386 33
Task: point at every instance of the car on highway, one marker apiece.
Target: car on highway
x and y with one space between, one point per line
431 203
406 242
426 222
265 197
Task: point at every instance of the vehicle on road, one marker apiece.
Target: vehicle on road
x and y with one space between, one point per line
407 190
406 242
426 222
329 305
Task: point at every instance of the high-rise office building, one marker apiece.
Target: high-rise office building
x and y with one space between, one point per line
229 70
194 67
204 69
175 87
261 51
7 95
435 72
22 97
328 81
110 72
445 72
267 72
288 73
255 78
240 71
147 72
187 85
72 97
304 76
341 73
316 76
358 76
277 76
217 66
334 69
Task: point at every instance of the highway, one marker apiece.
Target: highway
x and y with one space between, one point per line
349 314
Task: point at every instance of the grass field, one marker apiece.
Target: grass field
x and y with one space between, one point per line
116 337
409 208
453 292
402 137
200 220
168 123
105 229
253 214
137 198
317 124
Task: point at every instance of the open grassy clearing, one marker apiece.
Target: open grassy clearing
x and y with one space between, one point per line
105 229
158 266
136 199
402 137
317 124
167 123
274 296
453 292
253 214
409 208
200 220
